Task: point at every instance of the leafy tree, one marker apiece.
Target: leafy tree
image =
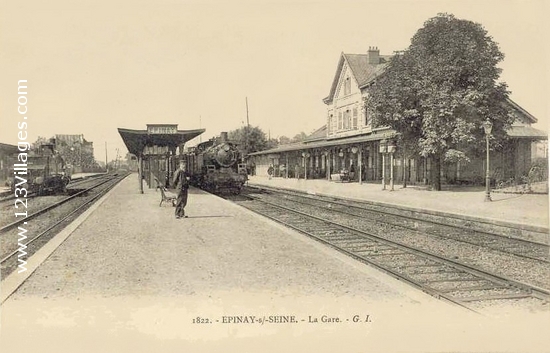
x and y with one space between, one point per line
272 143
39 142
283 140
437 93
250 139
299 137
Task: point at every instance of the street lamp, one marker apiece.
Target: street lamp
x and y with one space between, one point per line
383 151
391 151
488 127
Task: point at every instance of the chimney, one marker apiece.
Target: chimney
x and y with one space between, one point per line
223 137
374 56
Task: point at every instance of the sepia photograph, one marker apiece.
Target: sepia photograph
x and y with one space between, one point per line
274 176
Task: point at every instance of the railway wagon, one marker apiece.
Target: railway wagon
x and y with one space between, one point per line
214 166
46 172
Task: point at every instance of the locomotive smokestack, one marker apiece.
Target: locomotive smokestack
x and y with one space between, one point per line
223 137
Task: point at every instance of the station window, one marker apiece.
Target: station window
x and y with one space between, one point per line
354 121
339 120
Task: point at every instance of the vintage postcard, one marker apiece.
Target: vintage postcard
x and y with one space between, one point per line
274 176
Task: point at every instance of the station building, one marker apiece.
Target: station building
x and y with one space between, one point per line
350 146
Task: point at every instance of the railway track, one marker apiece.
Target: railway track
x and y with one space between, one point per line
8 196
60 200
48 221
442 276
533 245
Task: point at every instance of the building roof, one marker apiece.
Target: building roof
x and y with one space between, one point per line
524 132
136 140
7 148
375 136
521 112
319 134
363 72
527 132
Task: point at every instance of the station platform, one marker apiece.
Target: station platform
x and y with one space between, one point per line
130 277
521 209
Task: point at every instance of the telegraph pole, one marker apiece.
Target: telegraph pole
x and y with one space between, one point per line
106 165
246 131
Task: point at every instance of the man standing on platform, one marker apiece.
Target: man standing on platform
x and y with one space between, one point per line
181 183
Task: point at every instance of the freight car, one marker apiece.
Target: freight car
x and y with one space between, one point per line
44 173
214 166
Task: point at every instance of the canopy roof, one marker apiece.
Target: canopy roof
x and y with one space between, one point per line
527 132
136 140
299 146
7 148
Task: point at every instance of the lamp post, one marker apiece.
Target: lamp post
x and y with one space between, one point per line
488 127
383 151
391 150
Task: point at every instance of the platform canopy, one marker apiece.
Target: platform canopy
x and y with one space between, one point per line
166 135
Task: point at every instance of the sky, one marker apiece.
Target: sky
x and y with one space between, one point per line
95 66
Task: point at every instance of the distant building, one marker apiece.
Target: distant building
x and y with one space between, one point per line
77 151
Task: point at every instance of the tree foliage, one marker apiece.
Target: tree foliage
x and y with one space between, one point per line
437 92
74 155
283 140
39 142
250 139
299 137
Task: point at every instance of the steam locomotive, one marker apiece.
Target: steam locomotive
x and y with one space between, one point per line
214 166
46 172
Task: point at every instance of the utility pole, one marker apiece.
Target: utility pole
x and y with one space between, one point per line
200 127
246 131
106 165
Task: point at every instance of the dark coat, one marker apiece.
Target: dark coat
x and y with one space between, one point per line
181 180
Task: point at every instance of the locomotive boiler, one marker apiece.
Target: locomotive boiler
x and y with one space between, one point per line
214 166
